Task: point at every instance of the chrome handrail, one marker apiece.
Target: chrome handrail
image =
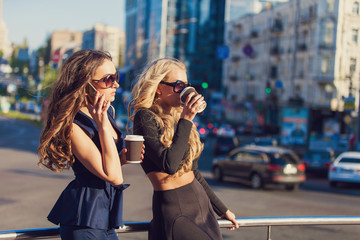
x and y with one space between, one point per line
292 221
243 222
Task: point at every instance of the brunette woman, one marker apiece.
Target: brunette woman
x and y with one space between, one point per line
81 133
183 203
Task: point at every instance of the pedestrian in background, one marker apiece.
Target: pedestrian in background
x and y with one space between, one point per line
80 132
183 203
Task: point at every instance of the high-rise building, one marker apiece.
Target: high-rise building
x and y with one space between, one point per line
5 46
190 31
137 33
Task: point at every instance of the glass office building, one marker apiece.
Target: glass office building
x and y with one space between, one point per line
190 30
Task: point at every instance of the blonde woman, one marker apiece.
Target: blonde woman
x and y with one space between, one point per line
81 133
183 203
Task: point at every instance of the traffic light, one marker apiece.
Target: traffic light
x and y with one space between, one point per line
204 85
268 89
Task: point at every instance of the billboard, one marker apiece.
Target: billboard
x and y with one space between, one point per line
294 126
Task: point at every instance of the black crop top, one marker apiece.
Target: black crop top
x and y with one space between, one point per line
169 160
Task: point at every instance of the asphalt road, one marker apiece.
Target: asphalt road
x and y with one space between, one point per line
28 192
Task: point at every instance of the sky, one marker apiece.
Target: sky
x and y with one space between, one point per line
35 20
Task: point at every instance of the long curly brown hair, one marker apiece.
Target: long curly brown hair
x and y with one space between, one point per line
68 96
144 96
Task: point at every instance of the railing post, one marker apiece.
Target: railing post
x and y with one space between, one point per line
268 233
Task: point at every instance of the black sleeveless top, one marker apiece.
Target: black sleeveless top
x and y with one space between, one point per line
89 201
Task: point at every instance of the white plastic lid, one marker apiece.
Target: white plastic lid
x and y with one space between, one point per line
134 138
184 90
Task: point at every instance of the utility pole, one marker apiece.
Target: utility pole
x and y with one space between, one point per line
358 121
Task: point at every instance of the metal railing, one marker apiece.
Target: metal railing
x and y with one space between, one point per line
243 222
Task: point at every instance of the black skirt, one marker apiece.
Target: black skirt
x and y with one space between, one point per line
183 213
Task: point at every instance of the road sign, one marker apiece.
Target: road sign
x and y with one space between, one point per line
347 119
248 50
278 84
222 52
349 103
56 56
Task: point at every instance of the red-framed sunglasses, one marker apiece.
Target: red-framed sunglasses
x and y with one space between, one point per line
109 80
178 86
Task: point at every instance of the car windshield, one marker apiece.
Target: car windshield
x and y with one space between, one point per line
349 160
225 141
283 158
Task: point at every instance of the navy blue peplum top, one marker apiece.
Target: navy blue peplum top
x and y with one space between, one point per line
89 201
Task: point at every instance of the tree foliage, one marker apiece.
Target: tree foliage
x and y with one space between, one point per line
17 64
44 52
50 77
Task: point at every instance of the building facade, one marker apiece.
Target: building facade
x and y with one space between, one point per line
302 52
5 46
62 44
238 8
105 38
347 59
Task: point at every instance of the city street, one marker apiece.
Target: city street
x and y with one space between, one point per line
28 192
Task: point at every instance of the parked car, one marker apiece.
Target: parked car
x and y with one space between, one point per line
261 165
265 141
32 107
250 129
345 169
317 161
224 144
226 130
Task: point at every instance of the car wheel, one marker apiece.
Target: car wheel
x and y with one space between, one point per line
256 181
218 175
292 187
333 184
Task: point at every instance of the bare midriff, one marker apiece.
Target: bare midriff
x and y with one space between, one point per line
163 181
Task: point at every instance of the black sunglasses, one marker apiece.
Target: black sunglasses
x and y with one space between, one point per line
110 79
178 86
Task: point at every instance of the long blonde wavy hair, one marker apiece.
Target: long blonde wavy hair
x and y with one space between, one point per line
145 97
68 96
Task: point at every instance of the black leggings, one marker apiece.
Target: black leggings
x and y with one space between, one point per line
184 213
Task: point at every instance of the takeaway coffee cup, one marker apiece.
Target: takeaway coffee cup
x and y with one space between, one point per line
133 144
184 93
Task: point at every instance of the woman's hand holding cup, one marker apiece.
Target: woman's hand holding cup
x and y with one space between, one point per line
193 103
135 148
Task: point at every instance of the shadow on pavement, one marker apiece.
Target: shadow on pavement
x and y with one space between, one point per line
41 173
19 135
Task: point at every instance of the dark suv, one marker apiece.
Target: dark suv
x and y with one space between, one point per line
224 144
318 160
261 165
